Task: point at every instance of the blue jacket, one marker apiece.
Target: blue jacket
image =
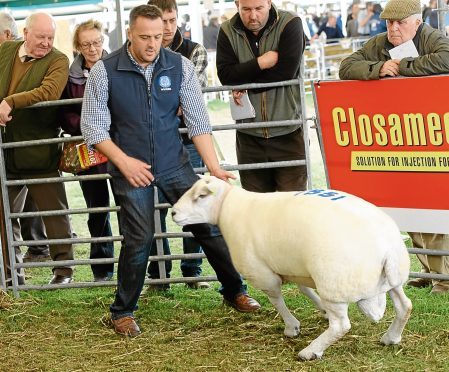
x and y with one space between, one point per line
143 120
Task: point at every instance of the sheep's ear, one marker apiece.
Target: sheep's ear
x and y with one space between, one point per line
202 191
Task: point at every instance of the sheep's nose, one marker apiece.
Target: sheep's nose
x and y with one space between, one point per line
173 213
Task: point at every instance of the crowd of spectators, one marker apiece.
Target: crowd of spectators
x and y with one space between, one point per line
362 20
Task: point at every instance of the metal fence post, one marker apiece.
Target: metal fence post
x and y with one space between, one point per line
8 225
158 230
305 125
4 246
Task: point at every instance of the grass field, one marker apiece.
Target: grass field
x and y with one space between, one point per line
187 330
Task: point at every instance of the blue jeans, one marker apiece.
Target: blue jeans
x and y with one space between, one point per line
191 267
137 224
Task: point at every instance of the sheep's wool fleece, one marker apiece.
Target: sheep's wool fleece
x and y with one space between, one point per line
401 9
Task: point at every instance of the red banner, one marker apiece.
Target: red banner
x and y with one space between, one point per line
387 141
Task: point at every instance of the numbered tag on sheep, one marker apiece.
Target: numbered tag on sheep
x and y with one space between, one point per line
344 247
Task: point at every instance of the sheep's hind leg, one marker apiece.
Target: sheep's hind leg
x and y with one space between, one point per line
309 292
403 308
339 325
373 308
270 283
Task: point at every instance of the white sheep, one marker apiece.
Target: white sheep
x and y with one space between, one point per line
345 247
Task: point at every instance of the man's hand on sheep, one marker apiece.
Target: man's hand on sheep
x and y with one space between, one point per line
206 149
222 174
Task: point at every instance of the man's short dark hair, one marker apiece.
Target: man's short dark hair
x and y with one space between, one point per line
164 5
146 11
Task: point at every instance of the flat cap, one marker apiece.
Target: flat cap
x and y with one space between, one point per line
401 9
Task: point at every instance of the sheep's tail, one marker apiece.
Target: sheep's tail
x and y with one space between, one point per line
397 264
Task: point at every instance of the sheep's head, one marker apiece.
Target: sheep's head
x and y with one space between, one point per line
200 204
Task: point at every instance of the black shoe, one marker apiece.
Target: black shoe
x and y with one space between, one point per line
60 279
104 278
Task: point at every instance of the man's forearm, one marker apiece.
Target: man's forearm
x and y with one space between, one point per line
205 147
112 152
229 69
290 50
50 89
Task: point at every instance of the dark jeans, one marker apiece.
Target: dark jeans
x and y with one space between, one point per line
252 149
191 267
96 195
137 223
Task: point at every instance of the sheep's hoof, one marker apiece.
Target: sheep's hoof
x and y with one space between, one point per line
292 332
324 314
306 354
388 340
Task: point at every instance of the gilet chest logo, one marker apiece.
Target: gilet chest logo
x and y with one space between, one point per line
165 83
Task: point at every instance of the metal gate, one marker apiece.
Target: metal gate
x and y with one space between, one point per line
9 243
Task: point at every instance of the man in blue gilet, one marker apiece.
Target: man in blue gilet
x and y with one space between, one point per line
129 114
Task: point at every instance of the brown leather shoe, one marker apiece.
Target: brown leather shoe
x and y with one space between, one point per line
126 326
439 289
32 257
243 303
420 283
60 279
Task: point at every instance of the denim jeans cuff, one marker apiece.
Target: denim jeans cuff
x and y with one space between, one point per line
115 316
191 273
231 295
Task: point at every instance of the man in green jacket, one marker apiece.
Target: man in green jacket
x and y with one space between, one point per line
373 61
263 44
33 71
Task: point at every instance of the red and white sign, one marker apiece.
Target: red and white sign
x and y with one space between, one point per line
387 141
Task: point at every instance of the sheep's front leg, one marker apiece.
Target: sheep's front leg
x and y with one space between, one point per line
291 323
403 308
270 283
309 292
339 325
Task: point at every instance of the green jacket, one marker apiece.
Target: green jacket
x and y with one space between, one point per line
365 64
31 124
282 103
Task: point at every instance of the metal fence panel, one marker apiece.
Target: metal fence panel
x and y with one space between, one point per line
160 257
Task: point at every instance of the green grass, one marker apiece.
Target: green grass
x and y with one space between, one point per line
186 330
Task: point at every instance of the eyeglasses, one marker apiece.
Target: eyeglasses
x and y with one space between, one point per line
96 44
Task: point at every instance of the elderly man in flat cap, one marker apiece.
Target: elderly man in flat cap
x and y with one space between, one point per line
373 61
404 23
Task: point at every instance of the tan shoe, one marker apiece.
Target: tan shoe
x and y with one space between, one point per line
243 303
439 289
126 326
60 279
420 283
198 285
